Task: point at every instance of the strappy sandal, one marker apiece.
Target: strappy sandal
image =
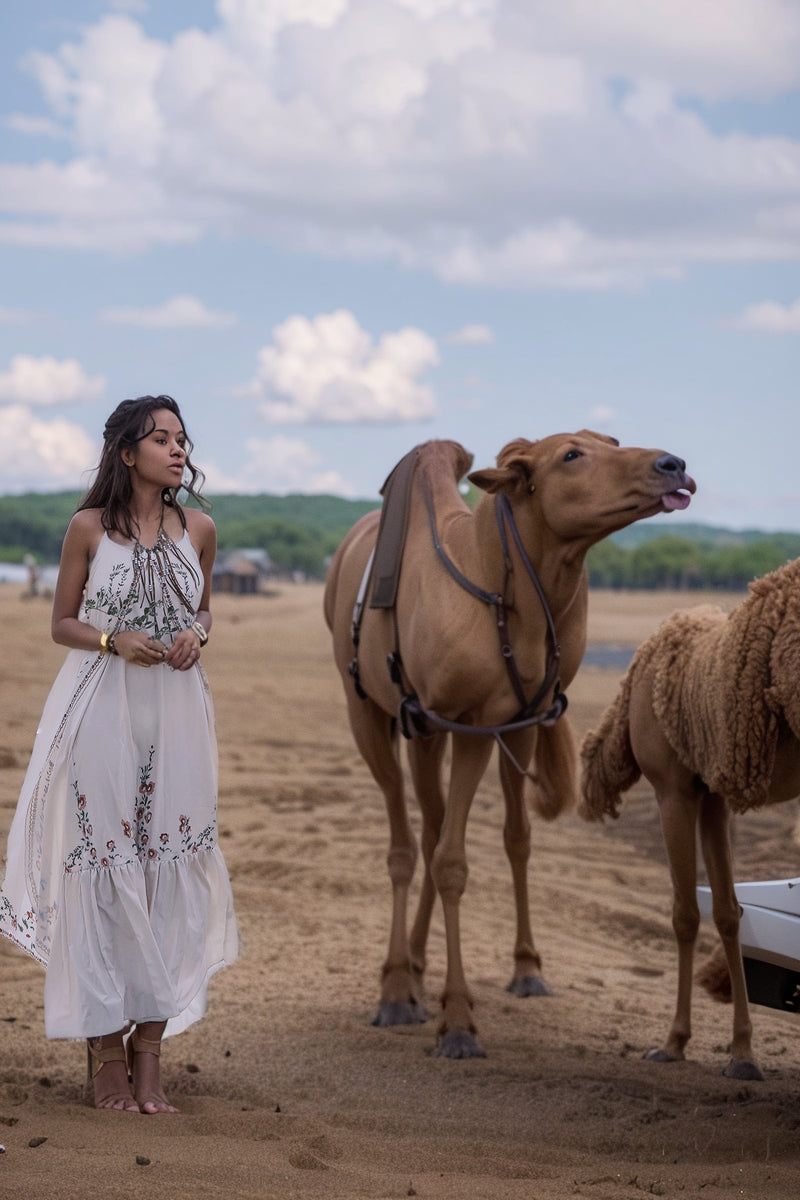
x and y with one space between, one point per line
97 1056
137 1044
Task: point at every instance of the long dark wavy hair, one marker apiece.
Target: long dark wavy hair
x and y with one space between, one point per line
130 422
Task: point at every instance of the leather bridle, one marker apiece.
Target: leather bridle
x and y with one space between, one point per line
418 721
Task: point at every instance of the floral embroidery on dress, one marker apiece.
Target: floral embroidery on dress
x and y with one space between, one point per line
144 810
85 853
191 845
25 924
147 846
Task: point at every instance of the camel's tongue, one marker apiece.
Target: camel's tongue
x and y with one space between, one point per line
673 501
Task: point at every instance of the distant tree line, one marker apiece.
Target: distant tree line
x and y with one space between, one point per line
301 532
679 563
298 532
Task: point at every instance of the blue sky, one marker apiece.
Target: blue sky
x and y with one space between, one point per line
333 229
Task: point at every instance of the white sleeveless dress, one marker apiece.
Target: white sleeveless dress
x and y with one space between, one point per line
114 879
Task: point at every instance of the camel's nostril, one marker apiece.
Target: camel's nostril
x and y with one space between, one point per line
669 464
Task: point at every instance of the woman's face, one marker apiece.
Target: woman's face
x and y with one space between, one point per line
159 457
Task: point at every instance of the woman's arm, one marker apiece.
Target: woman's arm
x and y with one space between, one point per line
203 533
80 543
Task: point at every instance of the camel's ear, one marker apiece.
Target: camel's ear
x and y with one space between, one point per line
512 476
514 470
490 480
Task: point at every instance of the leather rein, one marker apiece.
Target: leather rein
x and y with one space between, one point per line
415 720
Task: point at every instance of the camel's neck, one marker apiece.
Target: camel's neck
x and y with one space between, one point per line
559 565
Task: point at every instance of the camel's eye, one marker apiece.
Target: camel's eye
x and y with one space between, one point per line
571 455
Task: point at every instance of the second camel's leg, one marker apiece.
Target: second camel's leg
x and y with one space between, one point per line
716 845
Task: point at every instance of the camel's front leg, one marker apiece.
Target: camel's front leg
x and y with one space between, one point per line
679 812
527 979
449 869
716 845
425 763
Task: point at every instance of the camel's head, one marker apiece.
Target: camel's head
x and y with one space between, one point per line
585 485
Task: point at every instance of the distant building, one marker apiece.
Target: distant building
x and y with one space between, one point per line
242 572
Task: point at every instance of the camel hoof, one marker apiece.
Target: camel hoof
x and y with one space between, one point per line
398 1012
528 985
659 1055
743 1068
458 1044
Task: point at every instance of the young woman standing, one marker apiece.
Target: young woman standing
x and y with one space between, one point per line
115 880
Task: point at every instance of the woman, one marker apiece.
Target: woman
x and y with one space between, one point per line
115 881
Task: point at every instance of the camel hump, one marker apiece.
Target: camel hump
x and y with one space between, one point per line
436 458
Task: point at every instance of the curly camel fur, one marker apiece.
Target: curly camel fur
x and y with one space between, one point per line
566 492
709 713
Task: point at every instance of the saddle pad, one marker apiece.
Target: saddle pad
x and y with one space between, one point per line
396 493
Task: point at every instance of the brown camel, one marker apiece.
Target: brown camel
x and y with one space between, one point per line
561 495
709 713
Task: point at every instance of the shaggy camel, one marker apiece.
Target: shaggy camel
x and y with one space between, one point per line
709 713
559 496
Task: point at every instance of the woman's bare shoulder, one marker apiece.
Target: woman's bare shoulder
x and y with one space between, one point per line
198 517
202 531
88 518
84 533
199 524
86 524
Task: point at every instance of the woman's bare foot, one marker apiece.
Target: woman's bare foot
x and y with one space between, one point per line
108 1073
144 1049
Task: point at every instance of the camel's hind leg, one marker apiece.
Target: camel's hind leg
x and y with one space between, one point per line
375 735
527 979
716 846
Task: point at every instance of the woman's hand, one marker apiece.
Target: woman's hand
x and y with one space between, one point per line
184 651
139 649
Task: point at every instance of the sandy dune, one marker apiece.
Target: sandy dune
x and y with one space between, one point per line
287 1091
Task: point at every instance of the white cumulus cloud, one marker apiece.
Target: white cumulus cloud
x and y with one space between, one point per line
179 312
42 455
45 382
526 143
279 465
770 317
328 370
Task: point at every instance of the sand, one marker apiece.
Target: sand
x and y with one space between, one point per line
287 1090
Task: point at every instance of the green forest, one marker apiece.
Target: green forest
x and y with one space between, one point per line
301 532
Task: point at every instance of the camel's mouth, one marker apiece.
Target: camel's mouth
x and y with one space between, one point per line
675 501
681 497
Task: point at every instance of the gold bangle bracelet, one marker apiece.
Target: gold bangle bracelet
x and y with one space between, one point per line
104 643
